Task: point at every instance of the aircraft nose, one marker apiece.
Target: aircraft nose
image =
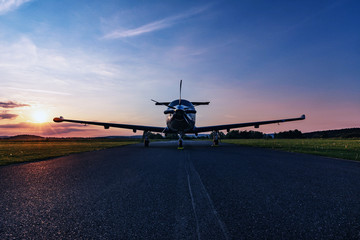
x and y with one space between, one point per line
179 113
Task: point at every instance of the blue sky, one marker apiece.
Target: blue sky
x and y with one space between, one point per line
105 60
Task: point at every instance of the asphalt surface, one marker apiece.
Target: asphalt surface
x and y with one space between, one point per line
201 192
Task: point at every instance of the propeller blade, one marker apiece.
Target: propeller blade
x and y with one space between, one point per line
190 110
180 92
186 117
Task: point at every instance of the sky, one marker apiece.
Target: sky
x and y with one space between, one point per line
104 61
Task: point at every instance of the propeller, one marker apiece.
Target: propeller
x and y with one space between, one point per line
179 108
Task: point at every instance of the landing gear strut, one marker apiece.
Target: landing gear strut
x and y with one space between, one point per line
215 138
146 139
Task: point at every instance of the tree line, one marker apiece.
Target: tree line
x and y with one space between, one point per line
234 134
292 134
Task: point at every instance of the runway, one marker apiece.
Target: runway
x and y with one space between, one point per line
201 192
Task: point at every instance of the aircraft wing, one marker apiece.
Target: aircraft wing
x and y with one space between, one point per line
240 125
115 125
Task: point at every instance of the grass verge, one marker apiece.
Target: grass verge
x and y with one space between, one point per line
25 151
337 148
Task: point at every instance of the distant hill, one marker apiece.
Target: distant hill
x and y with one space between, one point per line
121 137
340 133
26 137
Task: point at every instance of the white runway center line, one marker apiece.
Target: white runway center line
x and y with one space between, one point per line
207 219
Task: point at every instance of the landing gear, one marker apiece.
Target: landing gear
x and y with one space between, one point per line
180 145
146 139
215 138
146 142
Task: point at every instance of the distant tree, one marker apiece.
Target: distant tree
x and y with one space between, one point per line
325 134
236 134
351 135
257 135
233 134
289 134
338 133
171 136
155 136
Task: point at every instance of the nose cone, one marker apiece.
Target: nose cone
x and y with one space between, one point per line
179 113
180 107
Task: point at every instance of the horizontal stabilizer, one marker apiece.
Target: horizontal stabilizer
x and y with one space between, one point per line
162 103
167 103
200 103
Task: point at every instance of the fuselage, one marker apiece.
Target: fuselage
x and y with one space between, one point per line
180 116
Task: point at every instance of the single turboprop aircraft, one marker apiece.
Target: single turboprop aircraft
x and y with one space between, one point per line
180 120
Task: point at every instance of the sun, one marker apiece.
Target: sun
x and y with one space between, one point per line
40 116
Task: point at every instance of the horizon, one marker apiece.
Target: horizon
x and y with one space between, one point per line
97 61
190 134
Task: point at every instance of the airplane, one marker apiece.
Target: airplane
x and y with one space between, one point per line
180 120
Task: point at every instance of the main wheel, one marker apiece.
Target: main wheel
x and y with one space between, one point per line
146 143
180 143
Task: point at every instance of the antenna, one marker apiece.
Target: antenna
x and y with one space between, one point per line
180 92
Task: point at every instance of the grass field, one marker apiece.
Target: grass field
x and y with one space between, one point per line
337 148
25 151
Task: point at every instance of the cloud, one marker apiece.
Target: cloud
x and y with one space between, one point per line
38 91
154 26
9 5
46 129
11 104
57 131
8 116
28 67
16 125
48 76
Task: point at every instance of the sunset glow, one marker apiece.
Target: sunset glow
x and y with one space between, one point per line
40 116
104 61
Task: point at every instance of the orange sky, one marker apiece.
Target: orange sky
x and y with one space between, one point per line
97 61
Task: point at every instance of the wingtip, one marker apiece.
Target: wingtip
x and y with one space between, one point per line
58 119
303 116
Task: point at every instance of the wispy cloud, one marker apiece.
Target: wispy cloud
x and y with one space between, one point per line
45 129
37 91
27 67
11 104
17 125
154 26
9 5
8 116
